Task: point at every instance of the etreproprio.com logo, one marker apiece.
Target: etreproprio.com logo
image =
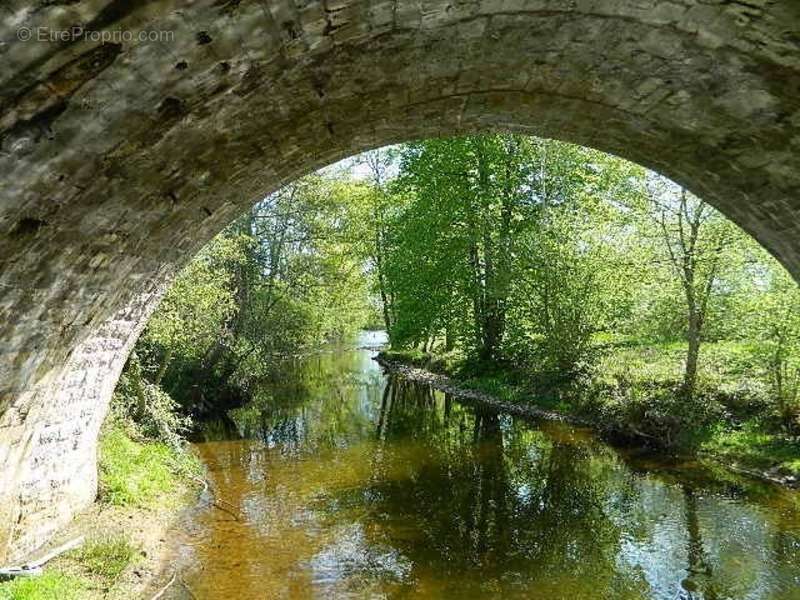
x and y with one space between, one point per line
75 34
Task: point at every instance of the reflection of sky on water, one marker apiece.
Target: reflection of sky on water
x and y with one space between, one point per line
659 550
352 555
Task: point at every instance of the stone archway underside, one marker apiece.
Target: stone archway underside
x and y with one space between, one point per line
119 160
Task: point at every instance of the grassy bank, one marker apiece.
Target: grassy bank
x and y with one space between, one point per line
632 394
142 484
141 474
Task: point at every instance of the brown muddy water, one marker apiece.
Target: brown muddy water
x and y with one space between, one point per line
340 482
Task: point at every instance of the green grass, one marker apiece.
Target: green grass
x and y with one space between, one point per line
108 558
753 447
410 357
104 559
50 586
133 473
139 473
727 369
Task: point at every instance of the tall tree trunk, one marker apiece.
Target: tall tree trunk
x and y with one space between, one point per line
492 330
477 294
379 251
387 321
693 352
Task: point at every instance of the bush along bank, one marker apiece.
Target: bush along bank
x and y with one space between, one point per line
630 402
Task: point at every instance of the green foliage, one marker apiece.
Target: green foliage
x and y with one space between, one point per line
52 585
775 323
574 262
656 414
536 269
453 247
287 276
134 473
411 356
309 251
752 446
148 409
635 388
596 286
695 251
506 246
199 301
108 558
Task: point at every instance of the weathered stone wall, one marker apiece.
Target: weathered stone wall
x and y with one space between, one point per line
118 159
49 447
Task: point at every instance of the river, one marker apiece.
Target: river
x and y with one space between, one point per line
337 481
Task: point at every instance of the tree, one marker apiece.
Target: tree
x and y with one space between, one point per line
195 309
379 201
311 285
573 265
773 309
282 278
468 202
694 239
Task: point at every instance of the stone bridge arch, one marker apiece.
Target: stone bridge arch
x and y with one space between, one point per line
125 145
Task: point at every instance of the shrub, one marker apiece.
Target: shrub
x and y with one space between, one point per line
147 408
752 445
654 410
108 558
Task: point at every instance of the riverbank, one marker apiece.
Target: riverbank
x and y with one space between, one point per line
144 485
742 449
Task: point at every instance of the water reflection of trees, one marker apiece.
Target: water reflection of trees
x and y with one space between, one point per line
481 503
498 501
312 404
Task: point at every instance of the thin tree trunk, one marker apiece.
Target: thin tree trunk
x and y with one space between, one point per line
137 381
387 322
162 370
477 300
448 335
692 353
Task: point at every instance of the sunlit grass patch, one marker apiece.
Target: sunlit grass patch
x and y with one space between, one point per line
49 586
97 565
756 448
108 558
136 473
133 473
412 356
